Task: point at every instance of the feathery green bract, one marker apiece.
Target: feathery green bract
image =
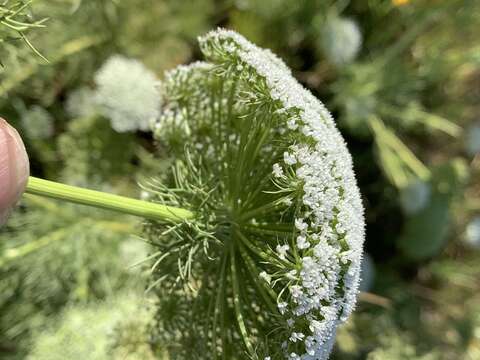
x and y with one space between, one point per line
15 21
269 267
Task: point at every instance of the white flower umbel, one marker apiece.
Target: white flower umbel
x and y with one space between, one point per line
38 123
472 233
341 40
273 258
127 93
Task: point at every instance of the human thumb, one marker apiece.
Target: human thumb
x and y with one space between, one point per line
14 168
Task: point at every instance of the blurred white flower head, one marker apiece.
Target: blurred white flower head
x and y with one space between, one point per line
127 93
82 103
341 40
472 233
38 123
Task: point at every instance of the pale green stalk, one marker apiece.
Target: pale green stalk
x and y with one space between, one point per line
144 209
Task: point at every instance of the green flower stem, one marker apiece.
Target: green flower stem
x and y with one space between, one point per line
107 201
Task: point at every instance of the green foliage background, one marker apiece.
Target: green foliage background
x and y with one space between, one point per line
406 104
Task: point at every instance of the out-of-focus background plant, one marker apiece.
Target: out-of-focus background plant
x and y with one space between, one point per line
401 77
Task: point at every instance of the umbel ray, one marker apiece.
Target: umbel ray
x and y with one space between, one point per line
258 225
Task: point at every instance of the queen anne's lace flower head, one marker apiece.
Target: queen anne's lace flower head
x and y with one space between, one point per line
127 93
272 261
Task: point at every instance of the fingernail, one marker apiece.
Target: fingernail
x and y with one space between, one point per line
14 168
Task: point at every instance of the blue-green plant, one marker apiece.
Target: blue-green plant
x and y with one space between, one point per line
472 141
426 231
415 196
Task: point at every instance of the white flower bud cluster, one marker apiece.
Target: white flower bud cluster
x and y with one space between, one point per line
127 93
330 225
173 118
